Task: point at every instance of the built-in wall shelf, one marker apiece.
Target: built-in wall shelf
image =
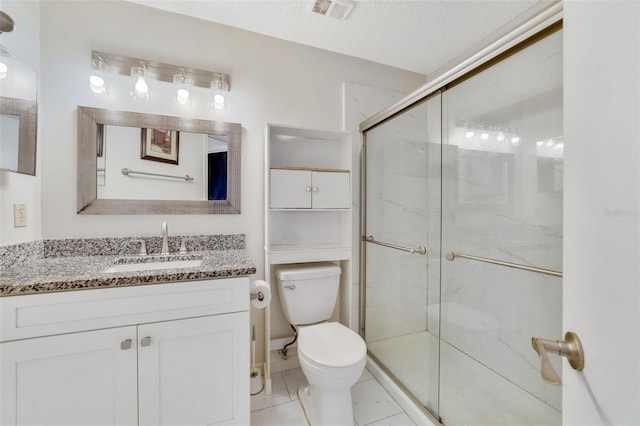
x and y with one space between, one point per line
308 216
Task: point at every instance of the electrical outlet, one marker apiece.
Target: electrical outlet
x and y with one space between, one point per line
19 215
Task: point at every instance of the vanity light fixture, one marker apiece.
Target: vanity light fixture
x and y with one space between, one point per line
490 133
219 85
3 69
143 71
140 88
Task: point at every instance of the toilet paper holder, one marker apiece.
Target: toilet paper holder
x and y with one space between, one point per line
257 295
260 292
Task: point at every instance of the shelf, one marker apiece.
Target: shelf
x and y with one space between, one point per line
297 254
311 169
309 210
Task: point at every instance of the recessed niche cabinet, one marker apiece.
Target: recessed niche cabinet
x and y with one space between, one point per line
308 217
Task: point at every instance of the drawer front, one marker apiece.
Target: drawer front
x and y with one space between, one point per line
55 313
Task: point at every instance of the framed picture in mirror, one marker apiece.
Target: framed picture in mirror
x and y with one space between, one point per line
160 145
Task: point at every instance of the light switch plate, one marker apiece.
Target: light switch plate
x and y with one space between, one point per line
19 215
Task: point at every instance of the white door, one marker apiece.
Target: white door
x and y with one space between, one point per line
195 371
70 379
601 297
331 190
290 189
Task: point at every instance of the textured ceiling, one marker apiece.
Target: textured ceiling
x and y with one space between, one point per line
415 35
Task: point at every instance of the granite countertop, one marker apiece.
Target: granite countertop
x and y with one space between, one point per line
56 274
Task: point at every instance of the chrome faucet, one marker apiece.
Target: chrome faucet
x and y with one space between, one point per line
165 239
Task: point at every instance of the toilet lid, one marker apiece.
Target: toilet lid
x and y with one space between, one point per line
331 344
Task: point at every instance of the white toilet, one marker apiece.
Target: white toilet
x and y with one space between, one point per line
331 355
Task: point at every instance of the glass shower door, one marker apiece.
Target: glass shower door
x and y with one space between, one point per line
403 214
502 200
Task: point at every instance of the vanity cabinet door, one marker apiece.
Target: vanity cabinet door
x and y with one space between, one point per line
70 379
195 371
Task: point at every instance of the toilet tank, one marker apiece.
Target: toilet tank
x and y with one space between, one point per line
308 291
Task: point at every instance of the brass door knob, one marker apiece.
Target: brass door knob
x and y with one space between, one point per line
570 348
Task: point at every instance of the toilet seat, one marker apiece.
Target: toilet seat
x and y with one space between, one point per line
331 345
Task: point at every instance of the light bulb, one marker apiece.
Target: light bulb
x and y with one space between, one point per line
218 101
469 134
540 143
3 70
484 136
182 96
140 88
515 140
141 85
500 136
183 83
96 84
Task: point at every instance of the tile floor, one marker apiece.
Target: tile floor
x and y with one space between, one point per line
372 405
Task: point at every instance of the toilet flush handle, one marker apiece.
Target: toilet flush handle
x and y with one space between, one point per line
290 286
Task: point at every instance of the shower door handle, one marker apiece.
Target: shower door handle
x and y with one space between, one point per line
570 347
413 250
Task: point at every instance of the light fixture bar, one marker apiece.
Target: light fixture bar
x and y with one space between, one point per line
122 65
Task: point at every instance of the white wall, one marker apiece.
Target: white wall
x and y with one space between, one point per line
272 81
602 201
24 42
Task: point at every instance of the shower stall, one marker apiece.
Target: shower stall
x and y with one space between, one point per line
461 230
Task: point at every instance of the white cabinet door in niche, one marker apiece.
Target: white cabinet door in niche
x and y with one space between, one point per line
290 189
70 379
330 190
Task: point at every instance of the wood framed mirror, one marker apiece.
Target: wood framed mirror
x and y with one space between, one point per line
91 128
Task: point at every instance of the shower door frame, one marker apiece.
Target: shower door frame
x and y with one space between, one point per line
544 23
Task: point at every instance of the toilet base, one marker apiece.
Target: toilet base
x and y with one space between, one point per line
326 408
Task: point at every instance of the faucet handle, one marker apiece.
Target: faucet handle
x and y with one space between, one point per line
183 245
143 247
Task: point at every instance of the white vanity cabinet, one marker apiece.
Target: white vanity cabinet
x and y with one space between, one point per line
310 189
171 354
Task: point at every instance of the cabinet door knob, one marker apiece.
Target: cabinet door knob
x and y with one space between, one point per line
145 341
308 189
315 189
125 344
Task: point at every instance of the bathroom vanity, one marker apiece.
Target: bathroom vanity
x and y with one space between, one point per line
148 347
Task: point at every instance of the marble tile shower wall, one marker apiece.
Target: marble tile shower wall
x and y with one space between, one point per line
494 209
402 175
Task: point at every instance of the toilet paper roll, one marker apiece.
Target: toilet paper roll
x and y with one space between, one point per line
262 292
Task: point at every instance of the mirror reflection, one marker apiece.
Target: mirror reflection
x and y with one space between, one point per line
18 115
134 163
153 164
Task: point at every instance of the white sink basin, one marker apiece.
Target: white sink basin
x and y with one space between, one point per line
152 266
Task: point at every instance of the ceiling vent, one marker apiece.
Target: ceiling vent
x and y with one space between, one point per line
337 9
